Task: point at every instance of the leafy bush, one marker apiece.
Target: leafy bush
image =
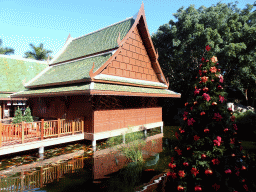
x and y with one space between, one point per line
27 115
17 116
246 121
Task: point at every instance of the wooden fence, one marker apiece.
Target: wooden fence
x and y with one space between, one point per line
38 178
27 132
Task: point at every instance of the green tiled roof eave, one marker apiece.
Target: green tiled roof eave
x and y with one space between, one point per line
98 41
15 72
72 71
49 90
4 96
127 80
132 89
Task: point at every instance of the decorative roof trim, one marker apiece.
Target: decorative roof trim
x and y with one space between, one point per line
92 86
23 59
102 28
39 75
130 80
68 41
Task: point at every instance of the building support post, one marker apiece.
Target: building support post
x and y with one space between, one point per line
162 128
123 137
94 145
41 152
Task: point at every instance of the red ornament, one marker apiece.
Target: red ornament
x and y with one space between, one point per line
203 156
228 171
185 164
243 168
198 188
180 188
233 155
195 102
205 89
186 104
202 113
208 172
243 180
212 80
204 71
225 130
206 130
214 103
220 87
188 148
172 165
244 156
218 70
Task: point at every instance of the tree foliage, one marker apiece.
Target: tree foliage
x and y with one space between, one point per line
17 116
38 53
231 32
5 50
27 115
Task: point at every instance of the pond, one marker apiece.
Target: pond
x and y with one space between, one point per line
75 167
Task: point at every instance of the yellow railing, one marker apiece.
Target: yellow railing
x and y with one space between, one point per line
27 132
37 179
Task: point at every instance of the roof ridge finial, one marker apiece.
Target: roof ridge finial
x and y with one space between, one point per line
68 38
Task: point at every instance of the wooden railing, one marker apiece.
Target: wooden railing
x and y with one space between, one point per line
39 130
37 179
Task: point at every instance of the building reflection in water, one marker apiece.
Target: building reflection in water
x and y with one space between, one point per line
101 164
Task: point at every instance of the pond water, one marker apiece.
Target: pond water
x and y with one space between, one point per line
76 168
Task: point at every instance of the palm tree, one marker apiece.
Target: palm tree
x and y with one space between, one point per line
5 50
38 53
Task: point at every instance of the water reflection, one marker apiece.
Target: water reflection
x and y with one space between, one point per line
104 170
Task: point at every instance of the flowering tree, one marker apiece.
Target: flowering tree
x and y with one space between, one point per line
208 156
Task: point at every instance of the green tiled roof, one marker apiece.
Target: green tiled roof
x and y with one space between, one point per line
96 86
112 87
4 95
128 80
71 71
96 42
13 72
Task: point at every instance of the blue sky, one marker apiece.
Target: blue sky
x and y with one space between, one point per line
50 21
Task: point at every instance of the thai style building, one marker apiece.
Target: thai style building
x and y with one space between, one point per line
14 73
110 78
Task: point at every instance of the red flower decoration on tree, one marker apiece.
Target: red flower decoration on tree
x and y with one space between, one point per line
215 161
206 97
182 173
202 113
206 130
221 98
228 171
178 151
194 171
207 48
213 69
198 188
235 126
225 130
245 187
203 59
172 165
221 78
191 121
185 164
205 89
216 186
177 135
196 138
200 72
232 141
217 117
218 141
204 79
197 91
180 188
232 118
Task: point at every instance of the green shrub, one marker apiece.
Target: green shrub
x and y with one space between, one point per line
27 115
17 116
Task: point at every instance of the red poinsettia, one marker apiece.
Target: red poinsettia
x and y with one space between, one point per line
204 79
178 151
214 59
203 59
206 97
172 174
213 69
198 188
235 126
172 165
232 141
177 135
191 121
218 141
197 91
217 117
185 114
196 138
221 98
194 171
215 161
207 48
182 173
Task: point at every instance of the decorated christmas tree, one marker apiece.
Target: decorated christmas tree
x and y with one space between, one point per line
208 156
17 116
27 115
